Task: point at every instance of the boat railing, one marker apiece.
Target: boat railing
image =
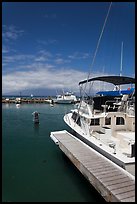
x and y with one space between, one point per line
89 100
131 107
110 105
119 105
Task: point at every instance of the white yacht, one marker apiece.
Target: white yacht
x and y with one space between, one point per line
111 130
66 98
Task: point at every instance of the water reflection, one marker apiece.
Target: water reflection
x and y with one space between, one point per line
36 128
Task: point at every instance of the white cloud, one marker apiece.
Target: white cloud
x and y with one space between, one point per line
61 61
42 56
5 50
31 72
79 55
46 77
17 57
11 32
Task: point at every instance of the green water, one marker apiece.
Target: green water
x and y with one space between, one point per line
34 169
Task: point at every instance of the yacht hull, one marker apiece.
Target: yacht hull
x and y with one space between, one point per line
110 156
64 101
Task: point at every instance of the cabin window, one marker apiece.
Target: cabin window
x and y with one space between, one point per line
133 150
108 121
78 121
74 116
95 121
120 121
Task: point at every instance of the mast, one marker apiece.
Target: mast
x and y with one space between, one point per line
121 59
98 43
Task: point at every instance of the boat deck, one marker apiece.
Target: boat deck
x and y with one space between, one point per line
111 181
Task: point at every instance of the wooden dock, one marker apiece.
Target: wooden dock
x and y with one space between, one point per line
111 181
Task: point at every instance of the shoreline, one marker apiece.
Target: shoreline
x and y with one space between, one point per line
29 100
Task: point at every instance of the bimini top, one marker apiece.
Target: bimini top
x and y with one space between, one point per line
116 80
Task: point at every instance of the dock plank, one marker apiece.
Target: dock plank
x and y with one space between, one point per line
124 195
114 178
131 199
110 180
121 185
116 181
123 189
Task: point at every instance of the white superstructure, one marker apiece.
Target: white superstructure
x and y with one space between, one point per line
110 131
66 98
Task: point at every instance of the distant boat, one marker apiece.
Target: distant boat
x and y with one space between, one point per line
18 102
66 98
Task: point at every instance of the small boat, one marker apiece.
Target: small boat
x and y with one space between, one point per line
66 98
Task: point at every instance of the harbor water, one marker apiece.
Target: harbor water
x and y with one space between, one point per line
34 169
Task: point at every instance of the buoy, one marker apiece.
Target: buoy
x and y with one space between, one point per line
51 103
17 105
36 116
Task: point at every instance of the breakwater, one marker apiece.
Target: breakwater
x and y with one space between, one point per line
26 100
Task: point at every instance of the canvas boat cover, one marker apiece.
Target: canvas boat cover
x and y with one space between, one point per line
116 80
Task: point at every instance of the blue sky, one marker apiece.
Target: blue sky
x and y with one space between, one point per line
49 46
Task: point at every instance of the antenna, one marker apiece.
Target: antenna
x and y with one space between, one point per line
121 59
98 43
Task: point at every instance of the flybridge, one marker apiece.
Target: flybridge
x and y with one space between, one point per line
116 93
116 80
